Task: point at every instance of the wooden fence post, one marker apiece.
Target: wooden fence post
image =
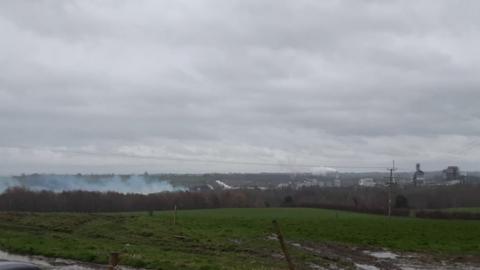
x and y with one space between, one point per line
174 214
114 260
291 266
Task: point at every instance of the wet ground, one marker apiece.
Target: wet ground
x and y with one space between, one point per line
334 256
347 257
53 263
337 256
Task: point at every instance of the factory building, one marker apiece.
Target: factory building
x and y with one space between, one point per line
418 176
451 173
366 182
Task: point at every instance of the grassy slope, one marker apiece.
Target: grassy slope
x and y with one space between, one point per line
224 238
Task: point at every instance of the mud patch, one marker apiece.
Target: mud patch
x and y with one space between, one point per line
337 256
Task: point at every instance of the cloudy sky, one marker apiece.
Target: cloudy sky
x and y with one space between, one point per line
91 86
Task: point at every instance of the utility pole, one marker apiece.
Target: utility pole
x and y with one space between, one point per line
390 184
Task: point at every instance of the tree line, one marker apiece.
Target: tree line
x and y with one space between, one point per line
347 198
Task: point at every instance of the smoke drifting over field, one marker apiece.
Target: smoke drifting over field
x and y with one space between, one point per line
104 183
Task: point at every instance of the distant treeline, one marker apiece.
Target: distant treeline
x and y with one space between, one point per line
372 200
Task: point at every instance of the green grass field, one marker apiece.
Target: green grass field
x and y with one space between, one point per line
225 238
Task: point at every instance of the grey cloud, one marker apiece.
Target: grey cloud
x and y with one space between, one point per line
339 82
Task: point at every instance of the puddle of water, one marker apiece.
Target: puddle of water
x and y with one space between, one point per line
366 267
297 245
4 256
315 267
272 237
383 255
53 263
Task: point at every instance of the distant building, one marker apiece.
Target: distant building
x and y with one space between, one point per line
337 182
312 182
418 176
366 182
451 173
453 182
285 185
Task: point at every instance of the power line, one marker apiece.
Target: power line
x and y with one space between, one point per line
185 159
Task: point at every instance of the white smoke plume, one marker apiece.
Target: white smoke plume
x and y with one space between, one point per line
323 170
104 183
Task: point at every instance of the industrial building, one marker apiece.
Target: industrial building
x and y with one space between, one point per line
451 173
366 182
418 176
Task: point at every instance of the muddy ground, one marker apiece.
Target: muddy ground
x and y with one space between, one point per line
348 257
333 256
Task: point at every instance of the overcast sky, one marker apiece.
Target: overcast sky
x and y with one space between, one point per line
326 83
